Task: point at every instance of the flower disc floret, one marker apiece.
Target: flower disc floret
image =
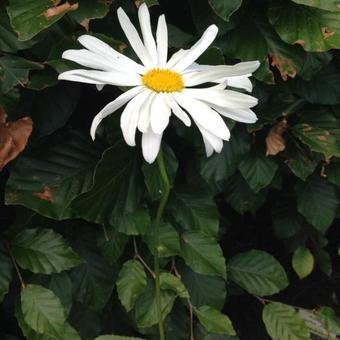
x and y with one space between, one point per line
162 80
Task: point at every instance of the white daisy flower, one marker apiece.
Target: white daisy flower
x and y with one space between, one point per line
162 86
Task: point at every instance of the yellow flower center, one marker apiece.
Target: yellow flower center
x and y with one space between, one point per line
160 80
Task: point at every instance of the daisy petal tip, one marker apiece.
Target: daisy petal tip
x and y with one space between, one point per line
149 157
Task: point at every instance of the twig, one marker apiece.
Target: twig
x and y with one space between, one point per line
138 257
23 284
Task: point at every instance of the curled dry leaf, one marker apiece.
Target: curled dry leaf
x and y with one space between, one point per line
274 140
13 137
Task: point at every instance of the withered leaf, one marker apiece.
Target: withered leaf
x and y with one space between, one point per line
274 140
13 137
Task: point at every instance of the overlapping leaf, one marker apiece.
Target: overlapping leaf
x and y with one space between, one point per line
257 272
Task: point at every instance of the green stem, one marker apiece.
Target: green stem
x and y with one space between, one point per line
160 210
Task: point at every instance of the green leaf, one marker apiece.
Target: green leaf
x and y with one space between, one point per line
203 289
330 5
92 281
303 262
257 272
90 9
116 195
321 133
211 56
42 310
286 220
59 284
241 197
116 337
294 25
314 62
333 173
6 268
146 308
68 331
131 283
214 321
225 8
60 102
330 320
255 39
203 254
284 323
47 179
301 162
9 101
43 251
194 209
8 39
111 244
323 88
317 201
14 70
258 170
169 244
152 176
171 282
203 16
35 16
221 166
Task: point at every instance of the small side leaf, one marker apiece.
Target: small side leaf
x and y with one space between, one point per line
214 321
303 262
284 323
131 283
44 251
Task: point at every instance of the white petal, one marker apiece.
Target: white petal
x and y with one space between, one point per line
223 98
242 82
101 77
212 143
197 68
162 41
218 72
89 59
175 58
145 111
160 114
209 149
114 106
195 51
239 115
151 143
203 115
145 25
99 47
134 39
177 110
130 116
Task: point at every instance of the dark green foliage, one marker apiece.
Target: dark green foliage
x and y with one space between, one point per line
249 241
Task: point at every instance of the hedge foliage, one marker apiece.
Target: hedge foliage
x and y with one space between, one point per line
249 241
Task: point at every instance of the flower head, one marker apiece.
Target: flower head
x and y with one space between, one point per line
161 86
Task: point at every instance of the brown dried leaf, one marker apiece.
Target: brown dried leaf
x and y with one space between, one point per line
326 32
274 140
86 23
285 66
13 139
45 195
3 115
63 8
